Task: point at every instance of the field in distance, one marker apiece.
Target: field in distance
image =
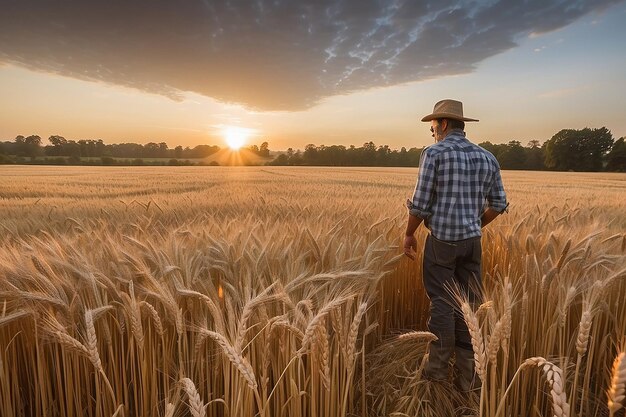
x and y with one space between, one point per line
272 291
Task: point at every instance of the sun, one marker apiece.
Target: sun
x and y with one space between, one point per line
235 137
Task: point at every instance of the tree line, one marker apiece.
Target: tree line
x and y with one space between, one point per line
568 150
29 149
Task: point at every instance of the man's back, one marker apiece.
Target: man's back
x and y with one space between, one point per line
457 181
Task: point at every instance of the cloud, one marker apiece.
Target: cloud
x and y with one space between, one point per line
269 54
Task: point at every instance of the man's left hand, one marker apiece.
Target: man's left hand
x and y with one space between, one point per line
410 243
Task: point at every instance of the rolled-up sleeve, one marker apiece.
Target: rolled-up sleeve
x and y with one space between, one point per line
422 202
496 196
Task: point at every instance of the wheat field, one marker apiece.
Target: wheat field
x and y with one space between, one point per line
210 291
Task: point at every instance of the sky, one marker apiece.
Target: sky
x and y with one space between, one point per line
297 72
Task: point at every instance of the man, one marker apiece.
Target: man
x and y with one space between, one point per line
459 191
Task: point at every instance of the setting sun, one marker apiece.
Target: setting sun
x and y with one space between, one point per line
235 137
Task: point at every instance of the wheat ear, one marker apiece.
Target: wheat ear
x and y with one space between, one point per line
354 332
284 324
324 353
135 317
584 328
92 341
196 406
234 357
158 325
554 377
70 343
493 345
428 336
477 340
618 382
310 329
169 410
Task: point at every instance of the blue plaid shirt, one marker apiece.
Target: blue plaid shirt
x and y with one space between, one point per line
457 181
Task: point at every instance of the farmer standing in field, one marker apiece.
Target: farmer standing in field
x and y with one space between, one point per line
459 190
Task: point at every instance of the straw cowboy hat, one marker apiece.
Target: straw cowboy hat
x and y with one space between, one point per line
448 109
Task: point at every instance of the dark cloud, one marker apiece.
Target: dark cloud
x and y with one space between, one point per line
269 54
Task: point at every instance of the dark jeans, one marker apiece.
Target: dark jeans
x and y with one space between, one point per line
450 267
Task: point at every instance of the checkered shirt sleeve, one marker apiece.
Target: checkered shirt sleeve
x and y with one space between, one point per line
421 205
496 196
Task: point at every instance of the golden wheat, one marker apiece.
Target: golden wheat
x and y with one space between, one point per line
618 382
282 291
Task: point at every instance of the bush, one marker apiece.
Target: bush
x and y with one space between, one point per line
5 159
55 161
73 160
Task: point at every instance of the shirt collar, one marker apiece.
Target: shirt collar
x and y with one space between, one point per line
456 134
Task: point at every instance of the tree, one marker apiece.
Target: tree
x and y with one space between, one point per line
616 159
281 159
369 153
296 158
310 154
151 150
383 154
513 156
91 147
534 155
32 146
578 150
264 150
57 142
163 150
495 149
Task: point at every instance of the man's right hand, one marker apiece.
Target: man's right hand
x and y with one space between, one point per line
410 246
488 217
